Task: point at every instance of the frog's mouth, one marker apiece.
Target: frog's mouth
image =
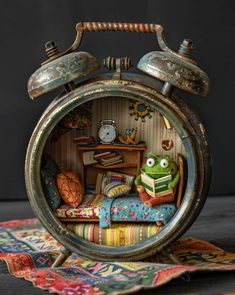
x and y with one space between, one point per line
158 175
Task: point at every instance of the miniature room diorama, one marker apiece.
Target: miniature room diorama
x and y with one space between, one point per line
113 171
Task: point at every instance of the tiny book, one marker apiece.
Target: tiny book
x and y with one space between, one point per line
156 187
84 140
99 181
112 163
102 154
110 159
88 158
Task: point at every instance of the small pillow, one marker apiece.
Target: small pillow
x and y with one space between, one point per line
115 189
50 189
70 188
50 165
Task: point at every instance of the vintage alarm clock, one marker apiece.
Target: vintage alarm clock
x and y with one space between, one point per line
107 132
158 186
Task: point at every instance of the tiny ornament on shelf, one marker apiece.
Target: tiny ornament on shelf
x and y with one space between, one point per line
130 137
167 144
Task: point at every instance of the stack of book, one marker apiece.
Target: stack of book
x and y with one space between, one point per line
84 140
108 158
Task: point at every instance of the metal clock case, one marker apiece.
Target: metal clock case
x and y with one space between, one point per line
175 69
107 131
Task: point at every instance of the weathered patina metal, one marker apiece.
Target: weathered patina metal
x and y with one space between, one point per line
189 129
61 71
177 70
113 63
173 67
117 65
116 27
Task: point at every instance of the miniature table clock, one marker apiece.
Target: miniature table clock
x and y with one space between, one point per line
118 167
107 132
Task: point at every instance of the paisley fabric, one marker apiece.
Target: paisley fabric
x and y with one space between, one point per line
127 209
48 181
121 234
29 251
70 188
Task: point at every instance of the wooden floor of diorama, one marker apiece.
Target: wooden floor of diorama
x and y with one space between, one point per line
215 224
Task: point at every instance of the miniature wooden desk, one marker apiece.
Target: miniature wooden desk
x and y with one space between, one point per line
132 156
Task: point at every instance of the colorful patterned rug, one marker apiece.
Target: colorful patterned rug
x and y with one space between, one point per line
29 251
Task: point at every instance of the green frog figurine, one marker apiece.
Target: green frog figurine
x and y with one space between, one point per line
158 180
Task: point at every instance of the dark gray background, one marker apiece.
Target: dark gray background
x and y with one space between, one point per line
26 25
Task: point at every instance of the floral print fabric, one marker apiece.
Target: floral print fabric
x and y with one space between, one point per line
124 209
132 209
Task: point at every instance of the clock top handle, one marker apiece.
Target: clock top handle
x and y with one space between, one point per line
118 27
83 27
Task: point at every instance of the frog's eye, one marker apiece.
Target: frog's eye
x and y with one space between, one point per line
164 163
150 162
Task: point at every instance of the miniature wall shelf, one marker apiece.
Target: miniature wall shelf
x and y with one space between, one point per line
132 160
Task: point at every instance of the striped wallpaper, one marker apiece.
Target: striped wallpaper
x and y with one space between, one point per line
152 131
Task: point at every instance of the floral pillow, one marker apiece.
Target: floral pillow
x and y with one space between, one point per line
71 190
50 188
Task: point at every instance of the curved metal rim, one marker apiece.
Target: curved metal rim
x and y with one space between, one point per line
106 88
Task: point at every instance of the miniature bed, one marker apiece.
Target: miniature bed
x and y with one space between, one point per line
94 218
128 208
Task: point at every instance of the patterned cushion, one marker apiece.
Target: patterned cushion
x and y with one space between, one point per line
50 165
50 188
70 188
115 189
121 234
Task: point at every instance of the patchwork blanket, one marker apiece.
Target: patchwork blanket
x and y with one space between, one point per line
122 209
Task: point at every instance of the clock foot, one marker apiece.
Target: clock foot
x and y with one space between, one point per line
64 254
